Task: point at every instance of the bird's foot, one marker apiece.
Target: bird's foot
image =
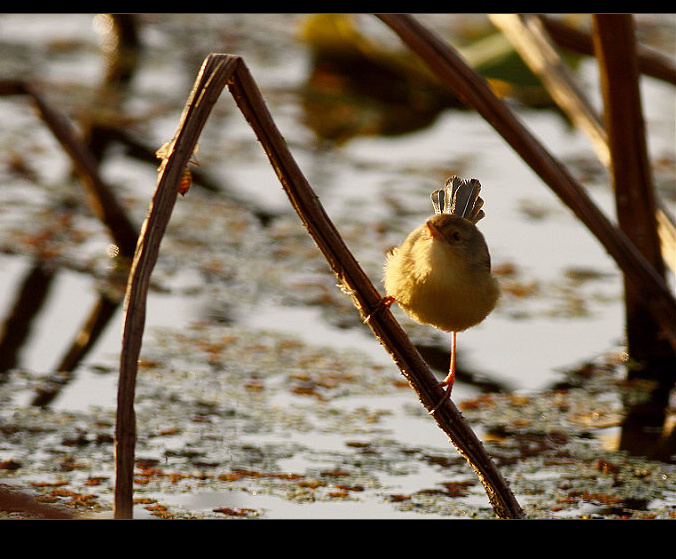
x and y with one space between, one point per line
447 383
384 303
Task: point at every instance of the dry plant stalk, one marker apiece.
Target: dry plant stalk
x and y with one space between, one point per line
635 202
208 86
216 71
473 89
100 195
651 62
620 145
530 38
13 500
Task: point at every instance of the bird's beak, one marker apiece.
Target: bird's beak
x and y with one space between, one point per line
433 230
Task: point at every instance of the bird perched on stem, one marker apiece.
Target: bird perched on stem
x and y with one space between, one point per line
441 274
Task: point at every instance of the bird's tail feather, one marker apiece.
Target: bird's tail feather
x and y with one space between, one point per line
459 197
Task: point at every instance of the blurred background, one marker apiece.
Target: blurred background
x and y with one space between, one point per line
373 132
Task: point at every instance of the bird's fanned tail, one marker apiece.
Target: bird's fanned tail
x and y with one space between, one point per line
459 197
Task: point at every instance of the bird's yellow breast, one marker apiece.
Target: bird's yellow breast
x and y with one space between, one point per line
435 285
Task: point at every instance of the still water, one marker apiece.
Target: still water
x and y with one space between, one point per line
237 274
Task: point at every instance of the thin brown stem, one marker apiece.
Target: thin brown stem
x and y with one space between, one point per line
635 202
651 62
474 91
101 198
207 88
529 36
366 297
216 70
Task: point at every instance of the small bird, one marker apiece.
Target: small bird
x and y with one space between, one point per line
441 274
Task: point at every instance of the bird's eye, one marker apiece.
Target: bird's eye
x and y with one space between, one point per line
456 236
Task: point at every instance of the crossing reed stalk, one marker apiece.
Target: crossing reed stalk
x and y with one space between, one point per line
217 70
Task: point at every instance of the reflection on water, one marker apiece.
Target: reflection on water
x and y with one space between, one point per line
356 87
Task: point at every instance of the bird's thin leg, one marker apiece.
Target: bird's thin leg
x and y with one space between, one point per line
450 377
